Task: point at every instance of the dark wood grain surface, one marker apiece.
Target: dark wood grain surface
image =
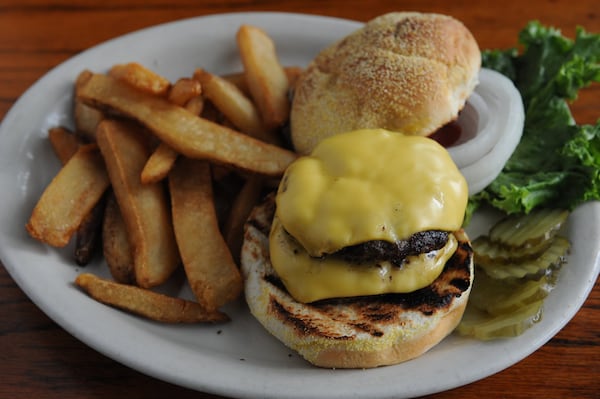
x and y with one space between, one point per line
38 359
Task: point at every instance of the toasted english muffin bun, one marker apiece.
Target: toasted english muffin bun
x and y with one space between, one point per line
360 332
405 71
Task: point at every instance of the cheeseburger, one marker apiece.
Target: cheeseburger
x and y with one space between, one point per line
359 259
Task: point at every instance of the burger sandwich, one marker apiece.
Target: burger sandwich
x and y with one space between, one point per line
359 260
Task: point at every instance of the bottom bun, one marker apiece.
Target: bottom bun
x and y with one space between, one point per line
359 332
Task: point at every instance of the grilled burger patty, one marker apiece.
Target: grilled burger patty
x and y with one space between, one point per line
394 252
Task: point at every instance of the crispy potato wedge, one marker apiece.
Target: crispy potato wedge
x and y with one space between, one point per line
159 164
186 133
86 120
117 251
64 143
266 79
195 105
144 206
183 90
239 79
293 73
244 202
213 275
147 303
82 78
234 104
69 197
87 239
141 78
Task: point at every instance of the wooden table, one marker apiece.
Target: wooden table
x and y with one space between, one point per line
38 359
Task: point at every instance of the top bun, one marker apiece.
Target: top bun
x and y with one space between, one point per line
407 72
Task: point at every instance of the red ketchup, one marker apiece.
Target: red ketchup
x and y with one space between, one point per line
448 134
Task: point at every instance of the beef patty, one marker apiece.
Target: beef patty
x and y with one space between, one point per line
394 252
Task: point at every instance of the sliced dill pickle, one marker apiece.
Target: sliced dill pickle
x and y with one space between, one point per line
552 257
514 274
517 231
496 296
490 252
484 326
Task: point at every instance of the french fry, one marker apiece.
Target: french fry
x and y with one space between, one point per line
184 90
186 133
141 78
143 206
64 143
69 197
293 73
82 78
239 79
146 303
86 120
117 251
243 203
159 164
87 238
213 275
234 104
266 79
195 105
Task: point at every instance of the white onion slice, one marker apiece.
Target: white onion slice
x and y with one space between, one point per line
495 112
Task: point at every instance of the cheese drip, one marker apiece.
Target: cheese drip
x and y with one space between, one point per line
310 279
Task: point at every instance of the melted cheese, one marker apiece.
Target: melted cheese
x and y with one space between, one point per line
361 186
370 185
310 279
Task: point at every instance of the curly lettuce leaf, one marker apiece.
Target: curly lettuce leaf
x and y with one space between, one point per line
557 162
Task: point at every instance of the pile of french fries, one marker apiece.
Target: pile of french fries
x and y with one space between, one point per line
140 170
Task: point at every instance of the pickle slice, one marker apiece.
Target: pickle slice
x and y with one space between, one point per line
491 253
515 272
481 325
552 257
517 231
501 296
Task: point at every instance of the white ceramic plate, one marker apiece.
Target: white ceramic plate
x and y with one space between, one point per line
237 359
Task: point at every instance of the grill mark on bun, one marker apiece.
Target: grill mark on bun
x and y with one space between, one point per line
305 324
461 283
275 281
368 328
263 224
283 313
